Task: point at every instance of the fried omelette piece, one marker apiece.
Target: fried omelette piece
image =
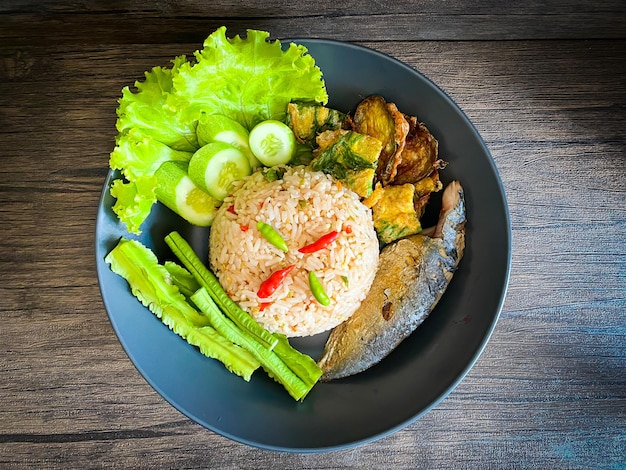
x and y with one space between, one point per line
428 184
413 274
394 212
309 119
348 156
397 209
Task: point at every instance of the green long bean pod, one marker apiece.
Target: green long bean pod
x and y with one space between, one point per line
304 366
182 278
207 279
269 360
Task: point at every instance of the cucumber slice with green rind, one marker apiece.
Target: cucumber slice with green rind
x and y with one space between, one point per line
219 128
272 142
179 193
215 166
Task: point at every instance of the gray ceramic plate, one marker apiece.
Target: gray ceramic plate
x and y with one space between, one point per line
423 370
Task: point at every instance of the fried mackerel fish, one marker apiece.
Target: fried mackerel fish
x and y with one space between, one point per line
413 274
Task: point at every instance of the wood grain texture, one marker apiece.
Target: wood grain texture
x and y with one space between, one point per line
145 22
549 390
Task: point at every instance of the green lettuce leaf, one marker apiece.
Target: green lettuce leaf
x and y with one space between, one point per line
148 110
247 79
138 156
134 201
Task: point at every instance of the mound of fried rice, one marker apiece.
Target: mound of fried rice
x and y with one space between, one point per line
302 206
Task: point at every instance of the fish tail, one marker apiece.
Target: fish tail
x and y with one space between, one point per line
451 224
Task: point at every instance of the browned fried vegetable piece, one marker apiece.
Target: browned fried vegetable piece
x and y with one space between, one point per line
419 156
372 118
375 117
402 128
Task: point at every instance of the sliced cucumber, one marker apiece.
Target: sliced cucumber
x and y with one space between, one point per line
272 142
176 191
215 166
220 128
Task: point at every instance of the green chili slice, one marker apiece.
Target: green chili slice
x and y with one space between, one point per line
318 289
272 236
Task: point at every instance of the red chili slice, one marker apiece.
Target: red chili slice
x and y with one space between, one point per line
269 286
322 242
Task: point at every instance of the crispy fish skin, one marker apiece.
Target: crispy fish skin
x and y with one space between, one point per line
413 274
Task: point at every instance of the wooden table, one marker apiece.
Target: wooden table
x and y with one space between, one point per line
544 83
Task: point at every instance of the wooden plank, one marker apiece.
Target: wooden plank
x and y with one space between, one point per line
379 21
